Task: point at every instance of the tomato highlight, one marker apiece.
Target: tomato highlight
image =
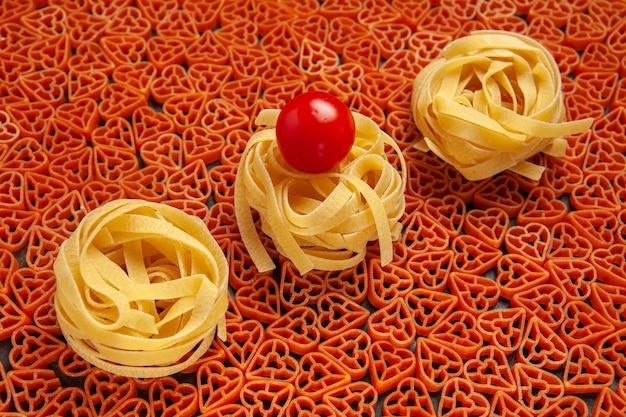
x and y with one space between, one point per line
315 131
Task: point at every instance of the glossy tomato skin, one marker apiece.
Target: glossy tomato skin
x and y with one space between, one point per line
315 131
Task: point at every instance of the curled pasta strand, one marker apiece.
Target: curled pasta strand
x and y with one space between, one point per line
322 221
141 289
490 102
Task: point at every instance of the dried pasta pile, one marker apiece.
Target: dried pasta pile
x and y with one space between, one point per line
321 221
490 102
141 288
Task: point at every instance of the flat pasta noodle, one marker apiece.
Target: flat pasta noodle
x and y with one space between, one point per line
322 221
142 289
490 102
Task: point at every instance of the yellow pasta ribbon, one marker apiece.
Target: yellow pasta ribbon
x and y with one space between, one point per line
322 221
142 289
490 102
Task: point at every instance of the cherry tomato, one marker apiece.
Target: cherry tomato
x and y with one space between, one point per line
315 131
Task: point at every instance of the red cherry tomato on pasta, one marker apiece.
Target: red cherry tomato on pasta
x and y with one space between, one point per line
315 131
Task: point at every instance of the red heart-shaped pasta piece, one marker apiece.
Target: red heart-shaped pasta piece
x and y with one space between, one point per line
541 346
31 287
148 183
429 307
409 398
595 192
489 225
583 324
581 29
120 100
172 81
350 350
389 364
106 391
163 51
73 365
568 242
86 84
43 247
31 118
394 324
423 233
610 264
26 156
33 348
82 114
12 190
165 151
532 240
503 328
506 406
449 211
221 180
517 273
242 341
473 256
458 331
338 314
490 372
202 144
32 388
186 110
168 396
436 363
305 406
546 301
537 388
15 226
352 283
260 300
503 192
459 396
431 269
318 375
609 301
359 394
387 283
542 206
585 371
218 384
298 328
300 290
138 75
603 159
475 293
266 396
124 48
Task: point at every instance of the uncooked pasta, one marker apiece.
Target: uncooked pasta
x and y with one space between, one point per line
322 221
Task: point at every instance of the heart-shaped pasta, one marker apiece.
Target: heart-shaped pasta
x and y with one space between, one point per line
320 221
141 288
490 102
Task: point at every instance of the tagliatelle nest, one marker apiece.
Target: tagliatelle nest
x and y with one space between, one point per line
141 289
321 221
490 102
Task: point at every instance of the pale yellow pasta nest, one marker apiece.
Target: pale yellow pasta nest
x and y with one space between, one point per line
322 221
141 289
491 101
